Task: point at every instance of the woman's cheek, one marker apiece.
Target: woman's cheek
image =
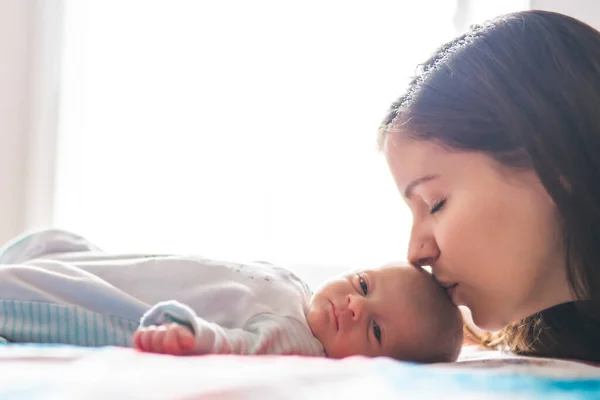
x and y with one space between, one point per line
456 234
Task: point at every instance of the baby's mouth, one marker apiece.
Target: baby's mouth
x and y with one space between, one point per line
335 317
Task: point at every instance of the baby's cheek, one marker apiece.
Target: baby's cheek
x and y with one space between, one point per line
319 324
348 345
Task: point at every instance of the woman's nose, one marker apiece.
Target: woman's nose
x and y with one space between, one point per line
422 251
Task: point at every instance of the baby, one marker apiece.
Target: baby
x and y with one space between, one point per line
395 311
220 307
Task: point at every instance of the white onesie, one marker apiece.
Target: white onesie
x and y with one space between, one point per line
232 308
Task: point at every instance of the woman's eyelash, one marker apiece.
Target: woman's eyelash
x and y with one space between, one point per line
363 285
437 206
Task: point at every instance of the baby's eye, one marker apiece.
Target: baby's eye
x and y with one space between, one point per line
363 285
377 332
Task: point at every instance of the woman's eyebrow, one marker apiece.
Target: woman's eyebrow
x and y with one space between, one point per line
411 186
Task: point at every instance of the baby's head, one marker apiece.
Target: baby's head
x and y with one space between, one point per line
396 311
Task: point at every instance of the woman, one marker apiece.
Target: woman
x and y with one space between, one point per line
495 148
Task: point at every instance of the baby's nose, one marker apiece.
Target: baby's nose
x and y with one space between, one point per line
355 306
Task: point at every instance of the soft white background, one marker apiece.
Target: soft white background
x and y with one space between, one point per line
235 129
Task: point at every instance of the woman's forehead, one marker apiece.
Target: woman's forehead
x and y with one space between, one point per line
411 151
410 160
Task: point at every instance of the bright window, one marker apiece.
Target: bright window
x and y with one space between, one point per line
238 129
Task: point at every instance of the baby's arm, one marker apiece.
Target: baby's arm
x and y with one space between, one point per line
173 328
168 327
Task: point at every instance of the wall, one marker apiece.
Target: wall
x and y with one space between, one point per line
15 53
29 50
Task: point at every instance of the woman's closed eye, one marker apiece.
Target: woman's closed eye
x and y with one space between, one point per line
437 206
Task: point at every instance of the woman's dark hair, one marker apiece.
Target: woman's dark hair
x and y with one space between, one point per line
525 89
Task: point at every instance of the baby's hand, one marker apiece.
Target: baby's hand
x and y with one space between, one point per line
172 339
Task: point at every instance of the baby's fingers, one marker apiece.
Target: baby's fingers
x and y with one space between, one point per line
172 343
185 339
142 338
167 339
137 339
149 339
157 339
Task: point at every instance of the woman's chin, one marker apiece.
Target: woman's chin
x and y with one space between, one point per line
486 320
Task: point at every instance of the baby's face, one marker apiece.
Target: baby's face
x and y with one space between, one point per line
376 312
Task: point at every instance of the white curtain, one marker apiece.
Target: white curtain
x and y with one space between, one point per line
238 129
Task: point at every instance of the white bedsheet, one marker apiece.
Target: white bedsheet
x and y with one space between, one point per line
62 372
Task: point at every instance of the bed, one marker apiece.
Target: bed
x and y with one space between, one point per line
36 371
67 372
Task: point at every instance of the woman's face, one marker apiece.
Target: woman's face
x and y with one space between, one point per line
490 234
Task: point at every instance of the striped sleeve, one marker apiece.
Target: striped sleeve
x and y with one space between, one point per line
40 322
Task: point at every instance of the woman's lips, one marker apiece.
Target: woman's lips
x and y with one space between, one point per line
445 284
449 286
451 289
